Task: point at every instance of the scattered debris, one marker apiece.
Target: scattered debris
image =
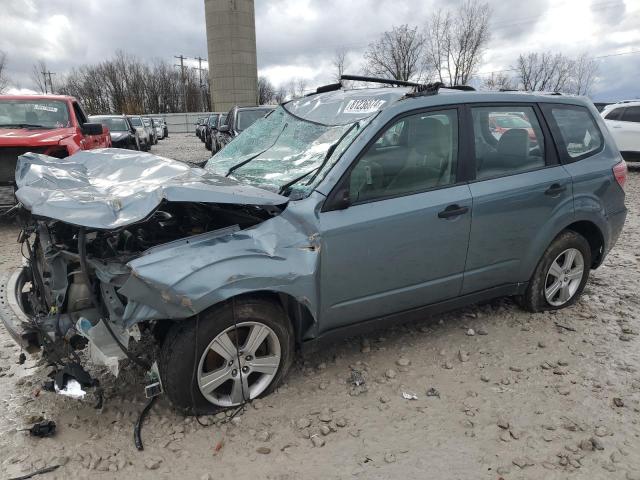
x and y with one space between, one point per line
432 392
41 429
409 396
618 402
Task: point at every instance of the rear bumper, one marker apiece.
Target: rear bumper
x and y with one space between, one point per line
15 320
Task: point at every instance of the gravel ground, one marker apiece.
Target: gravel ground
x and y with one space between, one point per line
501 393
185 147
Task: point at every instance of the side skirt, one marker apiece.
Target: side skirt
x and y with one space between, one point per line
420 313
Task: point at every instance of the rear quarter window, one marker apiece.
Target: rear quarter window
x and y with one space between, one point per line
575 130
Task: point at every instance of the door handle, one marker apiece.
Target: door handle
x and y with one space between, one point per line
555 189
453 211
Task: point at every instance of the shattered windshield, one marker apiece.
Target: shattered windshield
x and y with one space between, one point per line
281 148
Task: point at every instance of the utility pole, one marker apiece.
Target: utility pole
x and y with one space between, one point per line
200 70
44 76
184 82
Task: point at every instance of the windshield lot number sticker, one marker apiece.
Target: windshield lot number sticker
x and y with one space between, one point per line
363 106
45 108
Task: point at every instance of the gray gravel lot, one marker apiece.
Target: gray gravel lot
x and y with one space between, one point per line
517 397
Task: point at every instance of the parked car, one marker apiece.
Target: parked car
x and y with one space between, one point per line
623 120
54 125
213 133
151 128
312 225
499 123
143 132
199 124
239 119
123 133
163 124
157 125
210 129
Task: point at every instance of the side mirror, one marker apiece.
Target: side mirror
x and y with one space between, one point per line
224 128
341 200
92 129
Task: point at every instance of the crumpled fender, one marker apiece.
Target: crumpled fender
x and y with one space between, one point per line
183 278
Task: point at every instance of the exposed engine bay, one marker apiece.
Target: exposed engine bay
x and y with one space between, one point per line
74 274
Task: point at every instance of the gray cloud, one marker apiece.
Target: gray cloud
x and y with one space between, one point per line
295 37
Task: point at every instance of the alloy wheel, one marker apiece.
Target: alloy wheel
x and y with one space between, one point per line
227 376
564 277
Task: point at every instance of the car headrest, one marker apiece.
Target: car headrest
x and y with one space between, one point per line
514 142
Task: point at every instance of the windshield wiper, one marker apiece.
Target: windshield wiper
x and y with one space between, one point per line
317 169
284 187
243 163
22 125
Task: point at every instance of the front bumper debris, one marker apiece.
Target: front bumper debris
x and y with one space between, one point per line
17 323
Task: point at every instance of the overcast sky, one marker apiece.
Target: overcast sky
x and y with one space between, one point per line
298 38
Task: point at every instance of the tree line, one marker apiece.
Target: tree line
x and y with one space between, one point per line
448 48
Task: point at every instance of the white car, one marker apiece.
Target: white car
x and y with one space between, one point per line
623 120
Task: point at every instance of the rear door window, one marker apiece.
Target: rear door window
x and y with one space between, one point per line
631 114
575 132
508 140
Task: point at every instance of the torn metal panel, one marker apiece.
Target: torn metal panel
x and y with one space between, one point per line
111 188
277 255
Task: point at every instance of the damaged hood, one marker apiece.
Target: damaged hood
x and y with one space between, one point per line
111 188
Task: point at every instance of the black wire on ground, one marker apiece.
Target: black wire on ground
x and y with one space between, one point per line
137 430
36 472
82 252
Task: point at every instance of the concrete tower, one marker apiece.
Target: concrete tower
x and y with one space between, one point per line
231 45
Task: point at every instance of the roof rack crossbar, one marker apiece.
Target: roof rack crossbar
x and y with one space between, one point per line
385 81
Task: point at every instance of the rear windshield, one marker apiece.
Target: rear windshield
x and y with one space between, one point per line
33 114
136 121
213 120
246 118
115 124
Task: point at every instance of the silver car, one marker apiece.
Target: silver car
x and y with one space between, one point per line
144 133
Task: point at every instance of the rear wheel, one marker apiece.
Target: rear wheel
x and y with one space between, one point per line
561 274
234 359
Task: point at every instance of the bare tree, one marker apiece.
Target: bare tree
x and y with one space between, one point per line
280 95
396 54
585 70
38 77
544 71
456 41
266 91
339 63
499 81
4 81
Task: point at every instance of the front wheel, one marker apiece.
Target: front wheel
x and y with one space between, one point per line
235 359
561 274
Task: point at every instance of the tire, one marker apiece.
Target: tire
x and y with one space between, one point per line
537 297
178 360
207 145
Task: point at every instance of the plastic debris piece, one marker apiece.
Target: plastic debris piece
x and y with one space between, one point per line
409 396
72 389
46 428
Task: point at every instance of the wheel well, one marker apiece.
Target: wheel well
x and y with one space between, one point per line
593 235
299 314
301 318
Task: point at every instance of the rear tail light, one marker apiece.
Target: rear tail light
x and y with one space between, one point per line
620 172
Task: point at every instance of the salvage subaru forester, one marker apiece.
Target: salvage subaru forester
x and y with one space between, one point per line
337 212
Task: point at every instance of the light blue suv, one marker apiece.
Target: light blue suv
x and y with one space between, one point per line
337 213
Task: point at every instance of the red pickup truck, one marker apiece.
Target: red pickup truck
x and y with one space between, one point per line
54 125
